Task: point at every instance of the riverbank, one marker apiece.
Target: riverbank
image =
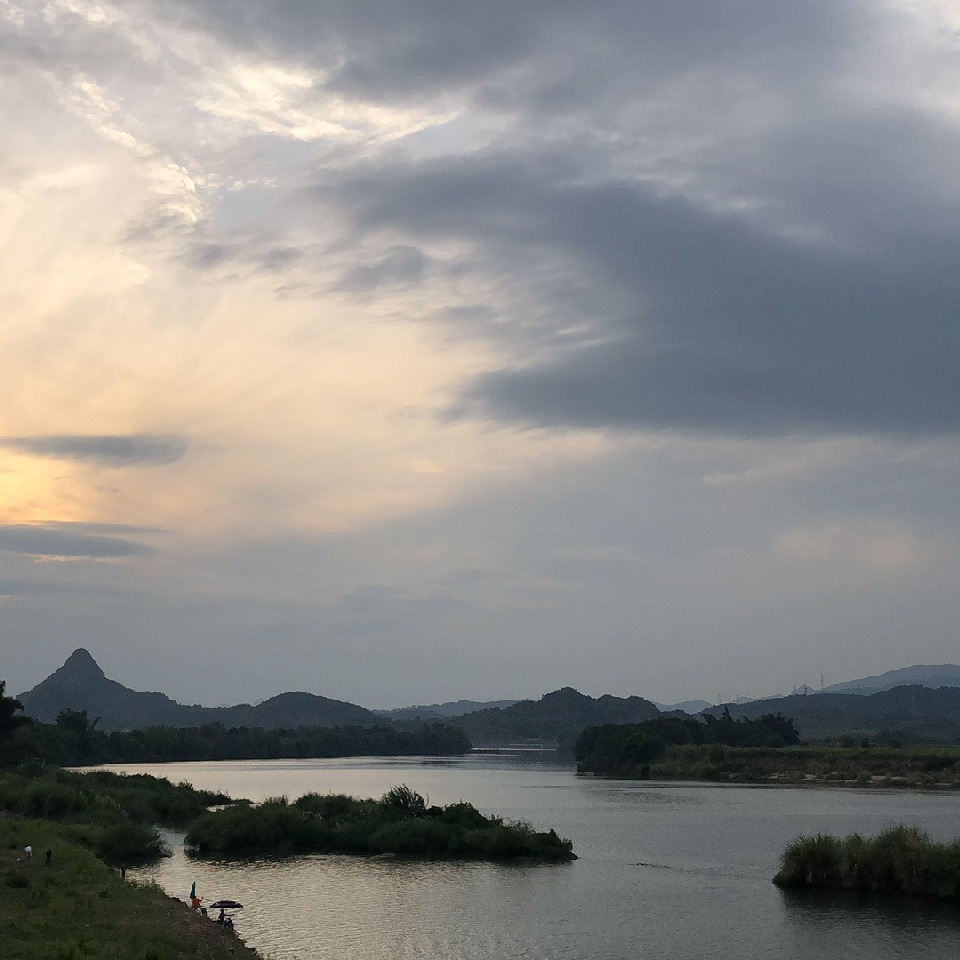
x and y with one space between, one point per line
75 907
882 767
933 768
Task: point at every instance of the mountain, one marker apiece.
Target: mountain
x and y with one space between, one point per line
925 675
686 706
297 710
561 714
906 712
442 711
80 684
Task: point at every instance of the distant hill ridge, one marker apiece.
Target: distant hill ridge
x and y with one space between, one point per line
562 713
926 675
443 711
80 684
911 712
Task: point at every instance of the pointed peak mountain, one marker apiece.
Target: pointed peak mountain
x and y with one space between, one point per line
79 667
80 684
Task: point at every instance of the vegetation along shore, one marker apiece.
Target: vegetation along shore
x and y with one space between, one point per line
75 905
765 750
899 860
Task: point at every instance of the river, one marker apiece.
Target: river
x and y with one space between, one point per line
666 870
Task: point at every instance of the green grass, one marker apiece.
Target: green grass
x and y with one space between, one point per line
113 815
77 908
899 860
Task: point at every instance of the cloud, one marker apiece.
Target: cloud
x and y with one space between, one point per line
727 321
487 327
61 541
873 545
400 264
110 451
415 49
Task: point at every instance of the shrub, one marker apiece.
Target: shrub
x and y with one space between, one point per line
413 838
400 822
404 801
461 814
48 800
129 843
810 862
900 859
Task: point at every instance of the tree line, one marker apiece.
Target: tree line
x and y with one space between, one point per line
75 740
628 749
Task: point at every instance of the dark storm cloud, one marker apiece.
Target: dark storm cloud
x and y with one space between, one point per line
416 47
61 541
730 323
109 450
743 230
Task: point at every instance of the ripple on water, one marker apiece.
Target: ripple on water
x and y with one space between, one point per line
669 872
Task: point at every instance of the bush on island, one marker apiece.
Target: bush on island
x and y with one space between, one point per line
401 822
899 860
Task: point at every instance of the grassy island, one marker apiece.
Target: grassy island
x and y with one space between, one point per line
899 860
400 822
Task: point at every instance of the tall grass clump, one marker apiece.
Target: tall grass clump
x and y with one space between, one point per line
400 823
899 860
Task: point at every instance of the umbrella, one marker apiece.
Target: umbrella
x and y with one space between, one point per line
226 905
193 889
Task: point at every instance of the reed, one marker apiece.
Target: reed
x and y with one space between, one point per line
899 860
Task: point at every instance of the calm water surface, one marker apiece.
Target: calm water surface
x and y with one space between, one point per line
666 871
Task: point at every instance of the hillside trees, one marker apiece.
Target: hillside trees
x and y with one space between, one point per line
627 749
9 707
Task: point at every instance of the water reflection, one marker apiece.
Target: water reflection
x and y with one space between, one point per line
858 924
672 872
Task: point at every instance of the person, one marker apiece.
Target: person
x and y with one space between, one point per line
228 923
28 850
195 902
222 918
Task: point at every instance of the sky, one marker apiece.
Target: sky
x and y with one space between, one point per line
420 351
